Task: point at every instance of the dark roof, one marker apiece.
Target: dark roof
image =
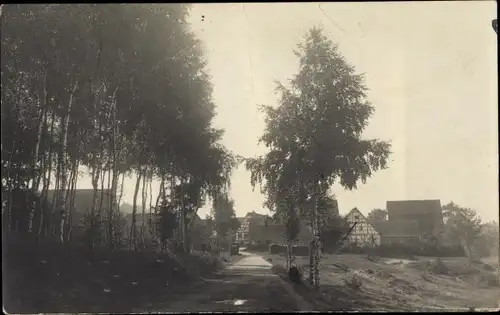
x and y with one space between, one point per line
406 207
254 214
397 228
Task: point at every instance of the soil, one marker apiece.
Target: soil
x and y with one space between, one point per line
407 285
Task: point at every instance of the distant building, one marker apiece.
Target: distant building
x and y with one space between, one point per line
276 233
426 213
398 232
364 233
411 221
242 234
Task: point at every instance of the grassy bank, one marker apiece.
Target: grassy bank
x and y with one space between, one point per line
353 282
61 278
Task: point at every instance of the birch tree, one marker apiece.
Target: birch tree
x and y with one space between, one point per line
316 130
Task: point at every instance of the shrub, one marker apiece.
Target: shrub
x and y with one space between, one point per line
488 267
488 280
438 267
277 249
353 282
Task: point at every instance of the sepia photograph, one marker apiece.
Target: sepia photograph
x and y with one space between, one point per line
250 157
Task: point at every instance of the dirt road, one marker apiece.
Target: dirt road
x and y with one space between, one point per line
247 285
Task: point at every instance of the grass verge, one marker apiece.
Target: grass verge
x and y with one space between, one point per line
66 279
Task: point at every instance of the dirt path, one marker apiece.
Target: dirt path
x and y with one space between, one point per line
247 285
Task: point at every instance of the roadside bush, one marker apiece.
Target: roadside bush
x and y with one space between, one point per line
277 249
488 267
199 263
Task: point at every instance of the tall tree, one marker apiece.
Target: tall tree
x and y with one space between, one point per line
464 225
224 216
99 86
315 132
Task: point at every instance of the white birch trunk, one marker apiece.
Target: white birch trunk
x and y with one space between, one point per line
62 157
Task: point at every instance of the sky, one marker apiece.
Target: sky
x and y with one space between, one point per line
431 68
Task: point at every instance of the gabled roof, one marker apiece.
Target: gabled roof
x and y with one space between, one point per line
356 211
406 207
254 214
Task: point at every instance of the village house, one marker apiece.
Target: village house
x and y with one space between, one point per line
264 230
272 232
242 234
364 233
411 221
398 232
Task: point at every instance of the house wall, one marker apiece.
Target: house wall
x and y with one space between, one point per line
275 233
363 234
404 240
427 213
242 234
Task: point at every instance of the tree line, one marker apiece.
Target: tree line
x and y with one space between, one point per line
463 228
117 89
111 90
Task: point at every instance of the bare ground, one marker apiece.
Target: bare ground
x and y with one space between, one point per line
247 285
399 285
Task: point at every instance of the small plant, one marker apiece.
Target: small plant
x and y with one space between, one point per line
354 282
438 267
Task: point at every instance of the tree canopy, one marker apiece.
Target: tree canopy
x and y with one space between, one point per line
462 225
377 215
111 87
224 216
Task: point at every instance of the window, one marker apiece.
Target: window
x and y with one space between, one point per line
361 228
356 217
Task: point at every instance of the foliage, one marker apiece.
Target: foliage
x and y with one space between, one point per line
333 230
166 222
377 215
314 135
135 101
224 216
488 241
462 225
